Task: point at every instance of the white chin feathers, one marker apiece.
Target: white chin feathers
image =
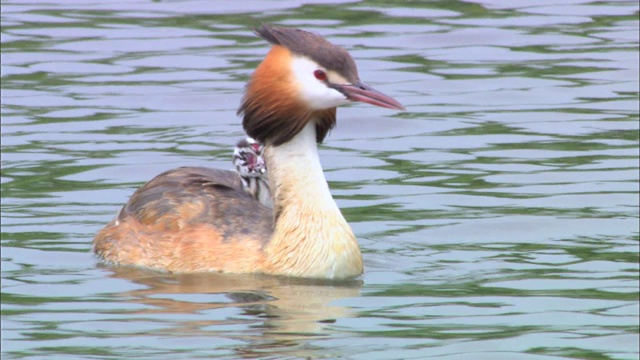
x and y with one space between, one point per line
314 92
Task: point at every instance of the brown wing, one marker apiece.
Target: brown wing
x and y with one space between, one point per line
190 196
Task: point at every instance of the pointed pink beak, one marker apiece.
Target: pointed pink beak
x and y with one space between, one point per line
366 94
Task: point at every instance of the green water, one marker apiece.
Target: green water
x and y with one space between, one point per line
498 215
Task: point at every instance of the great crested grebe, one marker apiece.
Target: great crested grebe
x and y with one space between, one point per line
248 158
194 219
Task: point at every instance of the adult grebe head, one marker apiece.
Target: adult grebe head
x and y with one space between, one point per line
303 78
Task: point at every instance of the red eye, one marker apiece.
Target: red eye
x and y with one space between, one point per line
320 75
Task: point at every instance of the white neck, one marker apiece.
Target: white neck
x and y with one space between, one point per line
309 226
295 166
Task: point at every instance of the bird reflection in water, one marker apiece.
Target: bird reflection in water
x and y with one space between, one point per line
269 315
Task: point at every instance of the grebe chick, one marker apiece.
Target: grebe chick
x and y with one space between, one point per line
248 159
195 219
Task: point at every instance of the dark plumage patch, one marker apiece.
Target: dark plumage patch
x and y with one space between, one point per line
314 46
270 126
194 195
